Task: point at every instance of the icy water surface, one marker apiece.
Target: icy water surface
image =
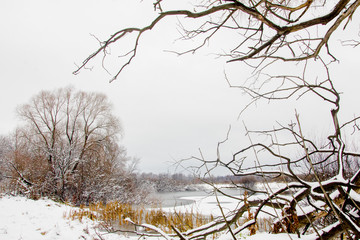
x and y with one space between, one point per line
173 199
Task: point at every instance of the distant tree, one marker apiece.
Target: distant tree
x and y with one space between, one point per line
71 135
263 35
5 148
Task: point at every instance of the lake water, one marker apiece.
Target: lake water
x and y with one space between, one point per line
174 199
205 202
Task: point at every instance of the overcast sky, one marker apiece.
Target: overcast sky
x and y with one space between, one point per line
169 106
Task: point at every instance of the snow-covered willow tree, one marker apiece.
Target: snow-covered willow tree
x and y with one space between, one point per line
271 37
73 140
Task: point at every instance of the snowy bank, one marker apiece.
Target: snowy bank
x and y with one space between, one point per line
44 219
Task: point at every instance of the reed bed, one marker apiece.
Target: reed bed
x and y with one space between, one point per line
116 213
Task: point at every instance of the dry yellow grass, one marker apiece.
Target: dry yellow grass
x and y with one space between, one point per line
115 213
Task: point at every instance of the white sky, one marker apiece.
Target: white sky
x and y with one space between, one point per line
169 106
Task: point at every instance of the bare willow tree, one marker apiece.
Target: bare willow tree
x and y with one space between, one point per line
262 34
67 131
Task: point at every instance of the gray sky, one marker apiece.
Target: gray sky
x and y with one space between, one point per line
169 106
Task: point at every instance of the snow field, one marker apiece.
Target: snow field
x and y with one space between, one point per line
44 219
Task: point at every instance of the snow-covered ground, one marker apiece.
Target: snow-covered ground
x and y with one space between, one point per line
44 219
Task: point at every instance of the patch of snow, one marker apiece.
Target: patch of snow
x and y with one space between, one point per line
269 186
44 219
279 236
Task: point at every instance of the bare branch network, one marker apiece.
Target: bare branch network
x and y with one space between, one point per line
321 194
274 30
320 197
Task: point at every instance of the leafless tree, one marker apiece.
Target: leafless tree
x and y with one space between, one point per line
5 148
263 34
66 131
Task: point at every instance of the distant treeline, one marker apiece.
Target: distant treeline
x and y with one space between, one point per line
166 182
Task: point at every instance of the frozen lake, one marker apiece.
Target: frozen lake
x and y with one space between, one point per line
175 199
205 201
